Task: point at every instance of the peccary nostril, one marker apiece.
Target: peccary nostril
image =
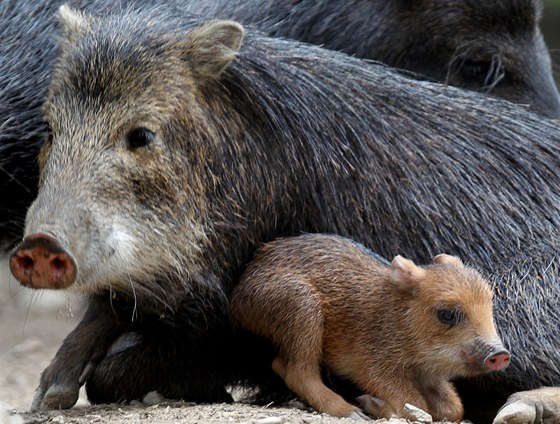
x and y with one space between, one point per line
41 262
26 262
497 361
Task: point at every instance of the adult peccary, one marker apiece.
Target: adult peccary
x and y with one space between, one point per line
399 331
493 46
169 161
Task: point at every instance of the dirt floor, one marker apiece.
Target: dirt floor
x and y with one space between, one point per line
32 327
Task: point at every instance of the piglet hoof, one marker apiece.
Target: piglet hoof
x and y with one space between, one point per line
376 407
531 407
358 415
58 396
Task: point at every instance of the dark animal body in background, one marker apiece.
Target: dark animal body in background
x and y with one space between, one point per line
163 175
400 332
467 43
493 46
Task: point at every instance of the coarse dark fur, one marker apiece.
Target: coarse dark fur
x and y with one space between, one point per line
493 46
289 138
498 50
21 124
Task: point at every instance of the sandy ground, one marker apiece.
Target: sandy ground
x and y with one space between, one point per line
32 327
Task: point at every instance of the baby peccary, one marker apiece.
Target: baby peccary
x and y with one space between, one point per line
398 332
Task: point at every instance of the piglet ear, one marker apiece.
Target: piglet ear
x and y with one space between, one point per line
443 259
73 22
212 46
406 275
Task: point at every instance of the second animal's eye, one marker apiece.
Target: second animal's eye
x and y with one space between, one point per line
450 316
475 69
139 137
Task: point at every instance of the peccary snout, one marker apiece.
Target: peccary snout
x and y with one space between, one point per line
41 262
497 360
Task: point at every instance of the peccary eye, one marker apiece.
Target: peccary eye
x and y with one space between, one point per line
450 316
475 69
139 137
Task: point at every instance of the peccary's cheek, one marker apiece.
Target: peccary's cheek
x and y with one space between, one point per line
121 245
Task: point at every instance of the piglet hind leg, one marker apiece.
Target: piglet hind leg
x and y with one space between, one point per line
306 382
531 407
301 355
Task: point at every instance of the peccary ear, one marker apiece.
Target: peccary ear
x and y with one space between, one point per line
72 22
212 47
443 259
406 276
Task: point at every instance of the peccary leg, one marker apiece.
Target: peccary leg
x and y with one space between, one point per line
178 364
531 407
443 402
80 351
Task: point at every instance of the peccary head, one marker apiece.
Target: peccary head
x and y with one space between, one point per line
122 198
493 46
449 317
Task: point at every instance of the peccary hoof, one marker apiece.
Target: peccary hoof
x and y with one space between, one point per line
531 407
58 396
517 413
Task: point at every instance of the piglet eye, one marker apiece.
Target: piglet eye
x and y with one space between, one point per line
139 137
450 316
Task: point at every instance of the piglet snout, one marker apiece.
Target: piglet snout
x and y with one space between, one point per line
497 360
41 262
